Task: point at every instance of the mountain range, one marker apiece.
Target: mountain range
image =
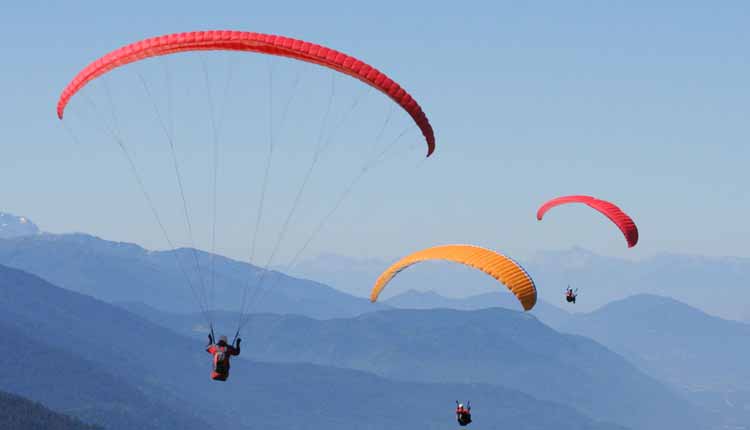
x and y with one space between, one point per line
715 285
644 368
168 280
413 299
702 357
705 357
132 358
448 346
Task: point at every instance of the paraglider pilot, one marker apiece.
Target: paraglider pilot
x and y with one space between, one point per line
570 295
221 352
463 414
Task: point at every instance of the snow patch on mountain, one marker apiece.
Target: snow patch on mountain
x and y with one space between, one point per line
16 226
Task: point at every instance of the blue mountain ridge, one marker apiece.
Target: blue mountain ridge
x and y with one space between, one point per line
490 346
703 356
692 279
174 369
124 272
413 299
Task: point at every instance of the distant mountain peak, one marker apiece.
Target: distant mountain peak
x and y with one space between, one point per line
415 299
653 307
419 294
16 226
644 299
572 258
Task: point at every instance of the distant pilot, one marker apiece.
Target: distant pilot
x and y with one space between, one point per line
463 413
570 295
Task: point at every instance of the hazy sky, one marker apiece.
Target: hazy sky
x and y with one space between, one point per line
643 105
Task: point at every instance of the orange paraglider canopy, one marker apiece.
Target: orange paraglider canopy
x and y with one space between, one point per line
500 267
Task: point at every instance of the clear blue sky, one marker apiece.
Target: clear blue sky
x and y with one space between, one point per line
644 105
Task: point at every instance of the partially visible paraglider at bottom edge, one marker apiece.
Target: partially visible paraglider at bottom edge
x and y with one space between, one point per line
463 413
498 266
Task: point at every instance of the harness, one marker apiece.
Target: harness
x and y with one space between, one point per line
221 360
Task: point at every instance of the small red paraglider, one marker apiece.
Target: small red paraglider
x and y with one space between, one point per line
615 214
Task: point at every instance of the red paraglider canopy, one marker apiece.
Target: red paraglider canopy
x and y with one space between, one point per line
251 42
615 214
